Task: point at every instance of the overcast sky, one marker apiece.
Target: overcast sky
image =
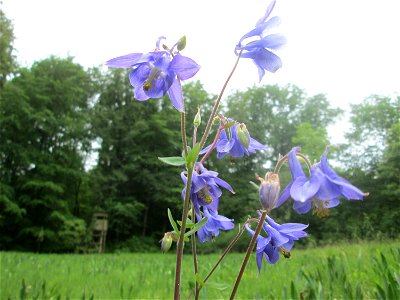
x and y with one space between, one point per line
346 49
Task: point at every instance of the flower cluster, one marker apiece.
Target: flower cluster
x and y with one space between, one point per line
204 194
159 72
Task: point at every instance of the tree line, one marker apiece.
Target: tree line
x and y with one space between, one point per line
74 142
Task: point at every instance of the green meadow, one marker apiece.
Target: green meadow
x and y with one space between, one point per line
360 271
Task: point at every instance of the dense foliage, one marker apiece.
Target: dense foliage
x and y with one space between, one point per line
74 142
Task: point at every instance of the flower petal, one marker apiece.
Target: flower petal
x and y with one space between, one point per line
270 8
302 207
175 95
294 163
184 67
303 189
285 195
125 61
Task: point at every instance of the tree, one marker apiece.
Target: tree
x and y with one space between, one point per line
133 186
371 122
7 59
45 136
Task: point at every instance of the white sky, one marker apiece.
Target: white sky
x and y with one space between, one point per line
346 49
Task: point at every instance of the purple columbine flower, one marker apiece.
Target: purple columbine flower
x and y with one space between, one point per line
214 224
280 238
156 73
234 146
260 50
324 185
205 189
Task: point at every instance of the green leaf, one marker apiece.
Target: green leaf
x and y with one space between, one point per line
173 160
192 157
189 223
218 286
172 221
199 280
196 227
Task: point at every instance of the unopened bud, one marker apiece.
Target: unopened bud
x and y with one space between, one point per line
197 118
166 242
269 191
182 43
243 135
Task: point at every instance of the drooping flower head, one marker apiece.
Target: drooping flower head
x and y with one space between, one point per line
234 145
156 73
260 50
214 224
323 188
280 239
205 190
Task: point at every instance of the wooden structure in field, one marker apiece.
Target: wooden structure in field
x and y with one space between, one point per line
100 226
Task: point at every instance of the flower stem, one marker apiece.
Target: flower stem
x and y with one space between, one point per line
183 133
194 253
216 105
248 252
230 246
283 159
179 250
211 147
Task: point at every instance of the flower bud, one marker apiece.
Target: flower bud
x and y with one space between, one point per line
166 242
182 43
197 118
269 191
243 135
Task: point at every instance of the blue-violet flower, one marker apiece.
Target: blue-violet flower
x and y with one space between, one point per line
156 73
233 146
214 224
260 50
205 190
324 185
280 238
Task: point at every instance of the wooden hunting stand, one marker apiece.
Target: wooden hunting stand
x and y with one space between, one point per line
100 225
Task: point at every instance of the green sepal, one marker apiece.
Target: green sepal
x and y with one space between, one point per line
173 160
182 43
229 124
196 227
172 221
192 156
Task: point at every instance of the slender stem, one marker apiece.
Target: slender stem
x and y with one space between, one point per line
284 158
194 253
211 147
183 133
230 246
248 252
179 250
216 105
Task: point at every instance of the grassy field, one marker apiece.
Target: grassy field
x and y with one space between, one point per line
361 271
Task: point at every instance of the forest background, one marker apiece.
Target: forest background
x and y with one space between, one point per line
55 116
